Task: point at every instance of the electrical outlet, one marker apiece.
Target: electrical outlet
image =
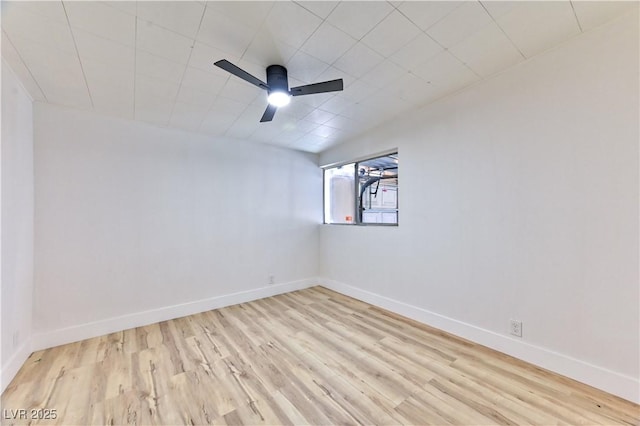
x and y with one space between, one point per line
272 279
515 327
16 338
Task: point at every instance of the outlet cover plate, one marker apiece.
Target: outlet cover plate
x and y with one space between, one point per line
515 327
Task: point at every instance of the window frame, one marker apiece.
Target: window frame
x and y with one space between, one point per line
357 221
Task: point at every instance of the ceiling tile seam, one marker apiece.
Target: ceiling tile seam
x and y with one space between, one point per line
447 15
108 4
408 70
315 108
299 49
308 133
155 23
425 31
321 109
405 44
236 119
552 47
159 26
465 65
38 12
213 102
186 66
25 65
359 40
135 61
301 4
162 58
75 45
503 31
72 27
573 9
377 92
377 23
162 26
321 60
257 31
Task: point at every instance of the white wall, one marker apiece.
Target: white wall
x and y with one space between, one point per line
137 224
518 199
16 288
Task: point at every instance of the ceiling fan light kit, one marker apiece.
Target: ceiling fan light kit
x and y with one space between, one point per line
279 99
277 86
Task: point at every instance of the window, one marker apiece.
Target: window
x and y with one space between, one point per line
363 192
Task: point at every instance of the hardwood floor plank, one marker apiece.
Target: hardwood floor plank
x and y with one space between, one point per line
542 402
311 356
419 412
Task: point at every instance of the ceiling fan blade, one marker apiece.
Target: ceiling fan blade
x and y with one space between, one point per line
268 113
239 72
325 86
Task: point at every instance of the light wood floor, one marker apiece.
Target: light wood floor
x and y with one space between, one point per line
307 357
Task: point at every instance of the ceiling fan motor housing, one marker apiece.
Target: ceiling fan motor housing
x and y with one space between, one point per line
277 79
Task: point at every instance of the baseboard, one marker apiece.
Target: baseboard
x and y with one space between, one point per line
12 365
626 387
43 340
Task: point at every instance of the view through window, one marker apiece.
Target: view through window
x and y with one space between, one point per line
364 192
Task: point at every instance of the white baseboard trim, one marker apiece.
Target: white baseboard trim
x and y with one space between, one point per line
626 387
48 339
12 365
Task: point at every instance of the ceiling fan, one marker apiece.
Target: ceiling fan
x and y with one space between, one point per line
277 86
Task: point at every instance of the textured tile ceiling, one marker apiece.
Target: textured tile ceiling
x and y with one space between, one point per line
152 61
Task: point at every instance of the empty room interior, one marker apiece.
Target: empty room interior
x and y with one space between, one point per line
320 212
